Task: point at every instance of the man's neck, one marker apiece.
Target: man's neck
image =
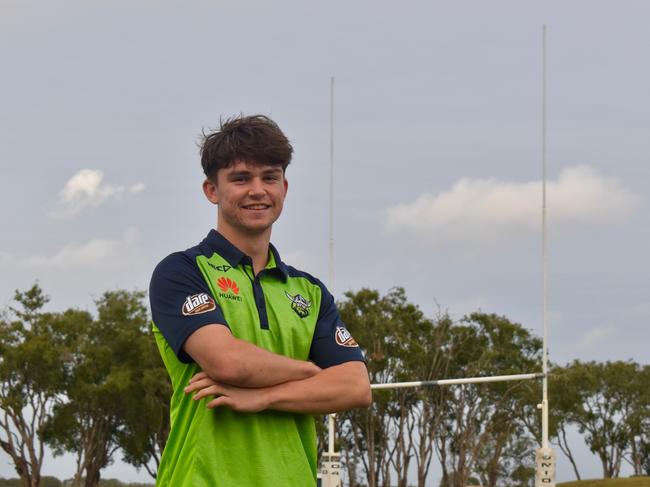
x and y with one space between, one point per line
255 246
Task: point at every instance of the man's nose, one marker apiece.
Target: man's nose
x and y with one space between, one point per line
256 187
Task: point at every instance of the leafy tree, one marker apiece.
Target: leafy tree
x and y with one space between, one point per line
365 433
33 363
506 454
400 344
421 357
645 458
476 431
146 417
394 334
638 421
104 381
481 421
605 411
565 400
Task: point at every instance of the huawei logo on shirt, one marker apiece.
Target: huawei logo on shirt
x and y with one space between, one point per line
229 289
226 283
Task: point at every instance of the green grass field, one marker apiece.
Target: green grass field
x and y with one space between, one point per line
627 482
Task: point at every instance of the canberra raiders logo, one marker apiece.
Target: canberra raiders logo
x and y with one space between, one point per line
299 304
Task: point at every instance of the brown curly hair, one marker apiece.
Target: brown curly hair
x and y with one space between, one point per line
255 139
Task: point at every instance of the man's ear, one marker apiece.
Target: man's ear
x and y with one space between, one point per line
211 192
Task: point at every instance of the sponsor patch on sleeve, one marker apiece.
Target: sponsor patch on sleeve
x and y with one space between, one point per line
197 304
344 339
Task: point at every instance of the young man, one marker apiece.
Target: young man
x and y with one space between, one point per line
253 346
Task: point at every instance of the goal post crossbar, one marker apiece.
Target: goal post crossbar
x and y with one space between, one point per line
448 382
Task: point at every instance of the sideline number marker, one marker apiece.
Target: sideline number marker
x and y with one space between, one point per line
544 467
330 472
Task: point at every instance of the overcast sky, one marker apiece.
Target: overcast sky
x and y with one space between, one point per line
437 148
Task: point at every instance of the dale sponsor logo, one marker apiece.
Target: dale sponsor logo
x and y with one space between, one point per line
344 338
197 304
299 304
229 289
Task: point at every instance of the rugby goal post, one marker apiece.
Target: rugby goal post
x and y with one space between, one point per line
330 465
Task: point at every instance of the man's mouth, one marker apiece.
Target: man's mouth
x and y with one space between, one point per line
257 206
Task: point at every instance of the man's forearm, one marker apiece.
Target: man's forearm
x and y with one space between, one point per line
229 360
261 368
333 389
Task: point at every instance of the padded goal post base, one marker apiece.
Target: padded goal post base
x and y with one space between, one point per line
544 467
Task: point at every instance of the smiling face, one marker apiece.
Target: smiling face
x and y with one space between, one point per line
250 198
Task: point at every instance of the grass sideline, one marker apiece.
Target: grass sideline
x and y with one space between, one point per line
621 482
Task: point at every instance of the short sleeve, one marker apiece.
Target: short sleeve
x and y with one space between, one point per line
332 343
181 301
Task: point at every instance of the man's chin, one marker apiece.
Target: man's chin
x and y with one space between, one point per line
248 227
256 229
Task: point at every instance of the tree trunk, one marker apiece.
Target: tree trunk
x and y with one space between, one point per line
635 458
564 446
92 476
372 464
493 468
607 472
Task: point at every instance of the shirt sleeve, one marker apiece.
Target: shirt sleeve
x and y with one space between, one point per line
332 343
181 301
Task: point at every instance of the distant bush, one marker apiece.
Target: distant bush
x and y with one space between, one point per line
117 483
46 481
49 481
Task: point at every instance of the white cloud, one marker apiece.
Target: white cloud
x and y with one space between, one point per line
95 253
489 212
136 188
86 190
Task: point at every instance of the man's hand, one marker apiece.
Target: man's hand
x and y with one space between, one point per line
243 400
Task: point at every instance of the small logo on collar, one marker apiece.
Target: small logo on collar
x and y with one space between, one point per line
221 268
299 304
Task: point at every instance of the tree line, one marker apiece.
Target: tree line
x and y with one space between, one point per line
479 433
93 384
90 385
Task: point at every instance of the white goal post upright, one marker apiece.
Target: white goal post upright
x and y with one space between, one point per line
545 460
545 465
331 418
330 466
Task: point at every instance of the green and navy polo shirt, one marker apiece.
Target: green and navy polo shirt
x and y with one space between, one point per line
280 309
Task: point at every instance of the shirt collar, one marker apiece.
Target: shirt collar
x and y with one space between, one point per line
221 245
